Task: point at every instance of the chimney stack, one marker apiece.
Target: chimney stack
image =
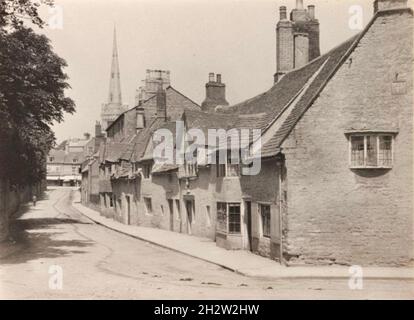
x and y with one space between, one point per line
381 5
98 129
215 94
283 13
161 102
297 39
311 12
301 50
218 78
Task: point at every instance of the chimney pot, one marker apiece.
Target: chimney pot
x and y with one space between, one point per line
299 4
215 94
311 11
283 13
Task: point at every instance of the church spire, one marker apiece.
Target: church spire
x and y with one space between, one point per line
115 78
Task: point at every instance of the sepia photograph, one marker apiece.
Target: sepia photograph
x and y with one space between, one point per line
206 151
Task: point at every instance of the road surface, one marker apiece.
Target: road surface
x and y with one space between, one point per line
55 252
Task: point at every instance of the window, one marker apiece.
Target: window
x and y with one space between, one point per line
265 216
177 204
234 218
146 170
232 165
140 121
222 216
74 170
148 204
75 160
371 150
231 168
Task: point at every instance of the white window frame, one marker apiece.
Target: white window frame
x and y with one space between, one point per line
377 136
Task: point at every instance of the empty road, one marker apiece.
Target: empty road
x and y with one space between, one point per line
55 252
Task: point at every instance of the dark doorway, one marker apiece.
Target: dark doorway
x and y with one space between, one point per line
171 208
249 224
189 208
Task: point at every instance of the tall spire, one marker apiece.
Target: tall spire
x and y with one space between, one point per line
115 78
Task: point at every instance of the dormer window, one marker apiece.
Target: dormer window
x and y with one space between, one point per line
371 150
140 121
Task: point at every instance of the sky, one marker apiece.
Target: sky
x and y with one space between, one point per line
188 37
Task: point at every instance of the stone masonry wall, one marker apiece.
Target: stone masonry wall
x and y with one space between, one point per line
343 216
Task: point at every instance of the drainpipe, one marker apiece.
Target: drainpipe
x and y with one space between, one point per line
280 165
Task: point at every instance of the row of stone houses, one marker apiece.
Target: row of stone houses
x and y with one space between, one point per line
335 153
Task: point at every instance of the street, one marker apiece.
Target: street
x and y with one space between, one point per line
98 263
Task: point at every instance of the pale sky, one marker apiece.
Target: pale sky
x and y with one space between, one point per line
188 37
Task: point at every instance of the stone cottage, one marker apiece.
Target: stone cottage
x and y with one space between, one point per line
335 153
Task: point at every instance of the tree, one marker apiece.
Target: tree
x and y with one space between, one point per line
15 12
32 97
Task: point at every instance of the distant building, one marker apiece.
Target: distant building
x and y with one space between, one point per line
151 83
114 107
64 162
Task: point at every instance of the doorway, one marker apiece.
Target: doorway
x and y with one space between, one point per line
171 208
248 208
128 217
189 206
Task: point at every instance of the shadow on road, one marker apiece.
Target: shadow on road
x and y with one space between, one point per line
38 238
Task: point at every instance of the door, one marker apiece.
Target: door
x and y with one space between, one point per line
249 224
189 210
128 199
171 207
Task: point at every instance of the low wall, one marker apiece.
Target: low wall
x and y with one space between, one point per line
10 200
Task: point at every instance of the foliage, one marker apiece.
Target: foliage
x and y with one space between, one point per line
15 12
32 97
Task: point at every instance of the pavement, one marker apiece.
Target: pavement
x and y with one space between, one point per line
239 261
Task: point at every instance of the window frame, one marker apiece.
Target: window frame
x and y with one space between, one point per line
380 163
262 221
229 223
225 209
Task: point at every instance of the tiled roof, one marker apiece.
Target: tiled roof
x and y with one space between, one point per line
114 151
145 102
163 168
204 121
143 137
61 157
326 65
